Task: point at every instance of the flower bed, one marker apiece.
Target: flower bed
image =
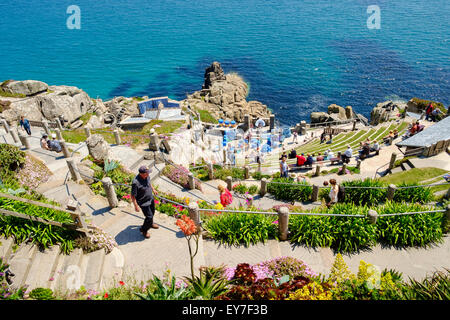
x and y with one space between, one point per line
179 175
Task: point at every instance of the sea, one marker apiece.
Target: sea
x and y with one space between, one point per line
298 56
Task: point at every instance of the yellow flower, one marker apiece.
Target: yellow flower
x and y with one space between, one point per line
311 291
218 206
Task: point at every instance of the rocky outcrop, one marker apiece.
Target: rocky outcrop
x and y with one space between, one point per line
27 87
98 147
224 96
57 101
335 113
385 111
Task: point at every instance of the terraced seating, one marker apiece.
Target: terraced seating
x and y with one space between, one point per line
353 139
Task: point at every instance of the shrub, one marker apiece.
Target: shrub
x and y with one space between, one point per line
408 230
364 196
290 266
238 228
293 191
344 234
42 294
222 173
259 176
423 104
11 159
312 291
434 287
413 195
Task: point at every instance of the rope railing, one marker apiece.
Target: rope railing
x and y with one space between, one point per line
408 213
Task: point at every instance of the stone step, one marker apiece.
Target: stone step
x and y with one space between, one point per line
41 267
6 247
112 269
67 272
93 263
20 262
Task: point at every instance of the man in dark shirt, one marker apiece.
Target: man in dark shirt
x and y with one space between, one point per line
142 197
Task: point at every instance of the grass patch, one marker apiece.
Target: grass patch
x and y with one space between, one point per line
414 175
206 116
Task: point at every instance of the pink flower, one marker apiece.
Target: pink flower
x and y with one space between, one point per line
275 222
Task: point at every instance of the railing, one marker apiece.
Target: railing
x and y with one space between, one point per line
79 224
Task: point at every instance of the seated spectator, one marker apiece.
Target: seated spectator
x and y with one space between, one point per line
44 142
323 137
375 147
54 145
395 134
319 157
301 160
330 154
314 158
347 155
390 136
365 151
309 160
292 154
435 114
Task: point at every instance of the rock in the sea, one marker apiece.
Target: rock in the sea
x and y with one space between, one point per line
98 148
385 111
224 96
318 117
26 87
335 109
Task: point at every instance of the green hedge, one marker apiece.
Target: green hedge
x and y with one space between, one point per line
294 191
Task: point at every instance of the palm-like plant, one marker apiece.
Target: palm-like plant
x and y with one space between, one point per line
208 285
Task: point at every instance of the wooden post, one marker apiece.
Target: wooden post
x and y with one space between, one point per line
247 172
210 171
358 164
224 151
283 223
87 132
194 214
354 125
73 170
58 134
229 183
154 142
315 193
344 168
46 127
25 140
391 192
191 181
317 173
5 125
392 162
58 124
272 122
373 216
447 196
110 192
263 189
65 150
15 134
117 137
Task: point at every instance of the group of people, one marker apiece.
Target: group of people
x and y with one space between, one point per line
415 127
433 113
51 145
366 147
393 134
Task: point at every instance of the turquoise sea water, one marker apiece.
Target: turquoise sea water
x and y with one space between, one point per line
298 56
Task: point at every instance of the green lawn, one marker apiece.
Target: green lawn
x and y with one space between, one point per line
415 175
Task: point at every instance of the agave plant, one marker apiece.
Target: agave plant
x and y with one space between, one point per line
207 286
436 287
110 165
163 291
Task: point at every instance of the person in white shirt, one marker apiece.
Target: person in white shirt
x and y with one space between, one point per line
347 154
375 146
44 142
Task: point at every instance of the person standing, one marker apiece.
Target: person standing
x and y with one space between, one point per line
142 197
428 112
25 124
334 190
295 135
283 167
226 198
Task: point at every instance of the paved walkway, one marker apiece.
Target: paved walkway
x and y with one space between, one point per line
167 248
